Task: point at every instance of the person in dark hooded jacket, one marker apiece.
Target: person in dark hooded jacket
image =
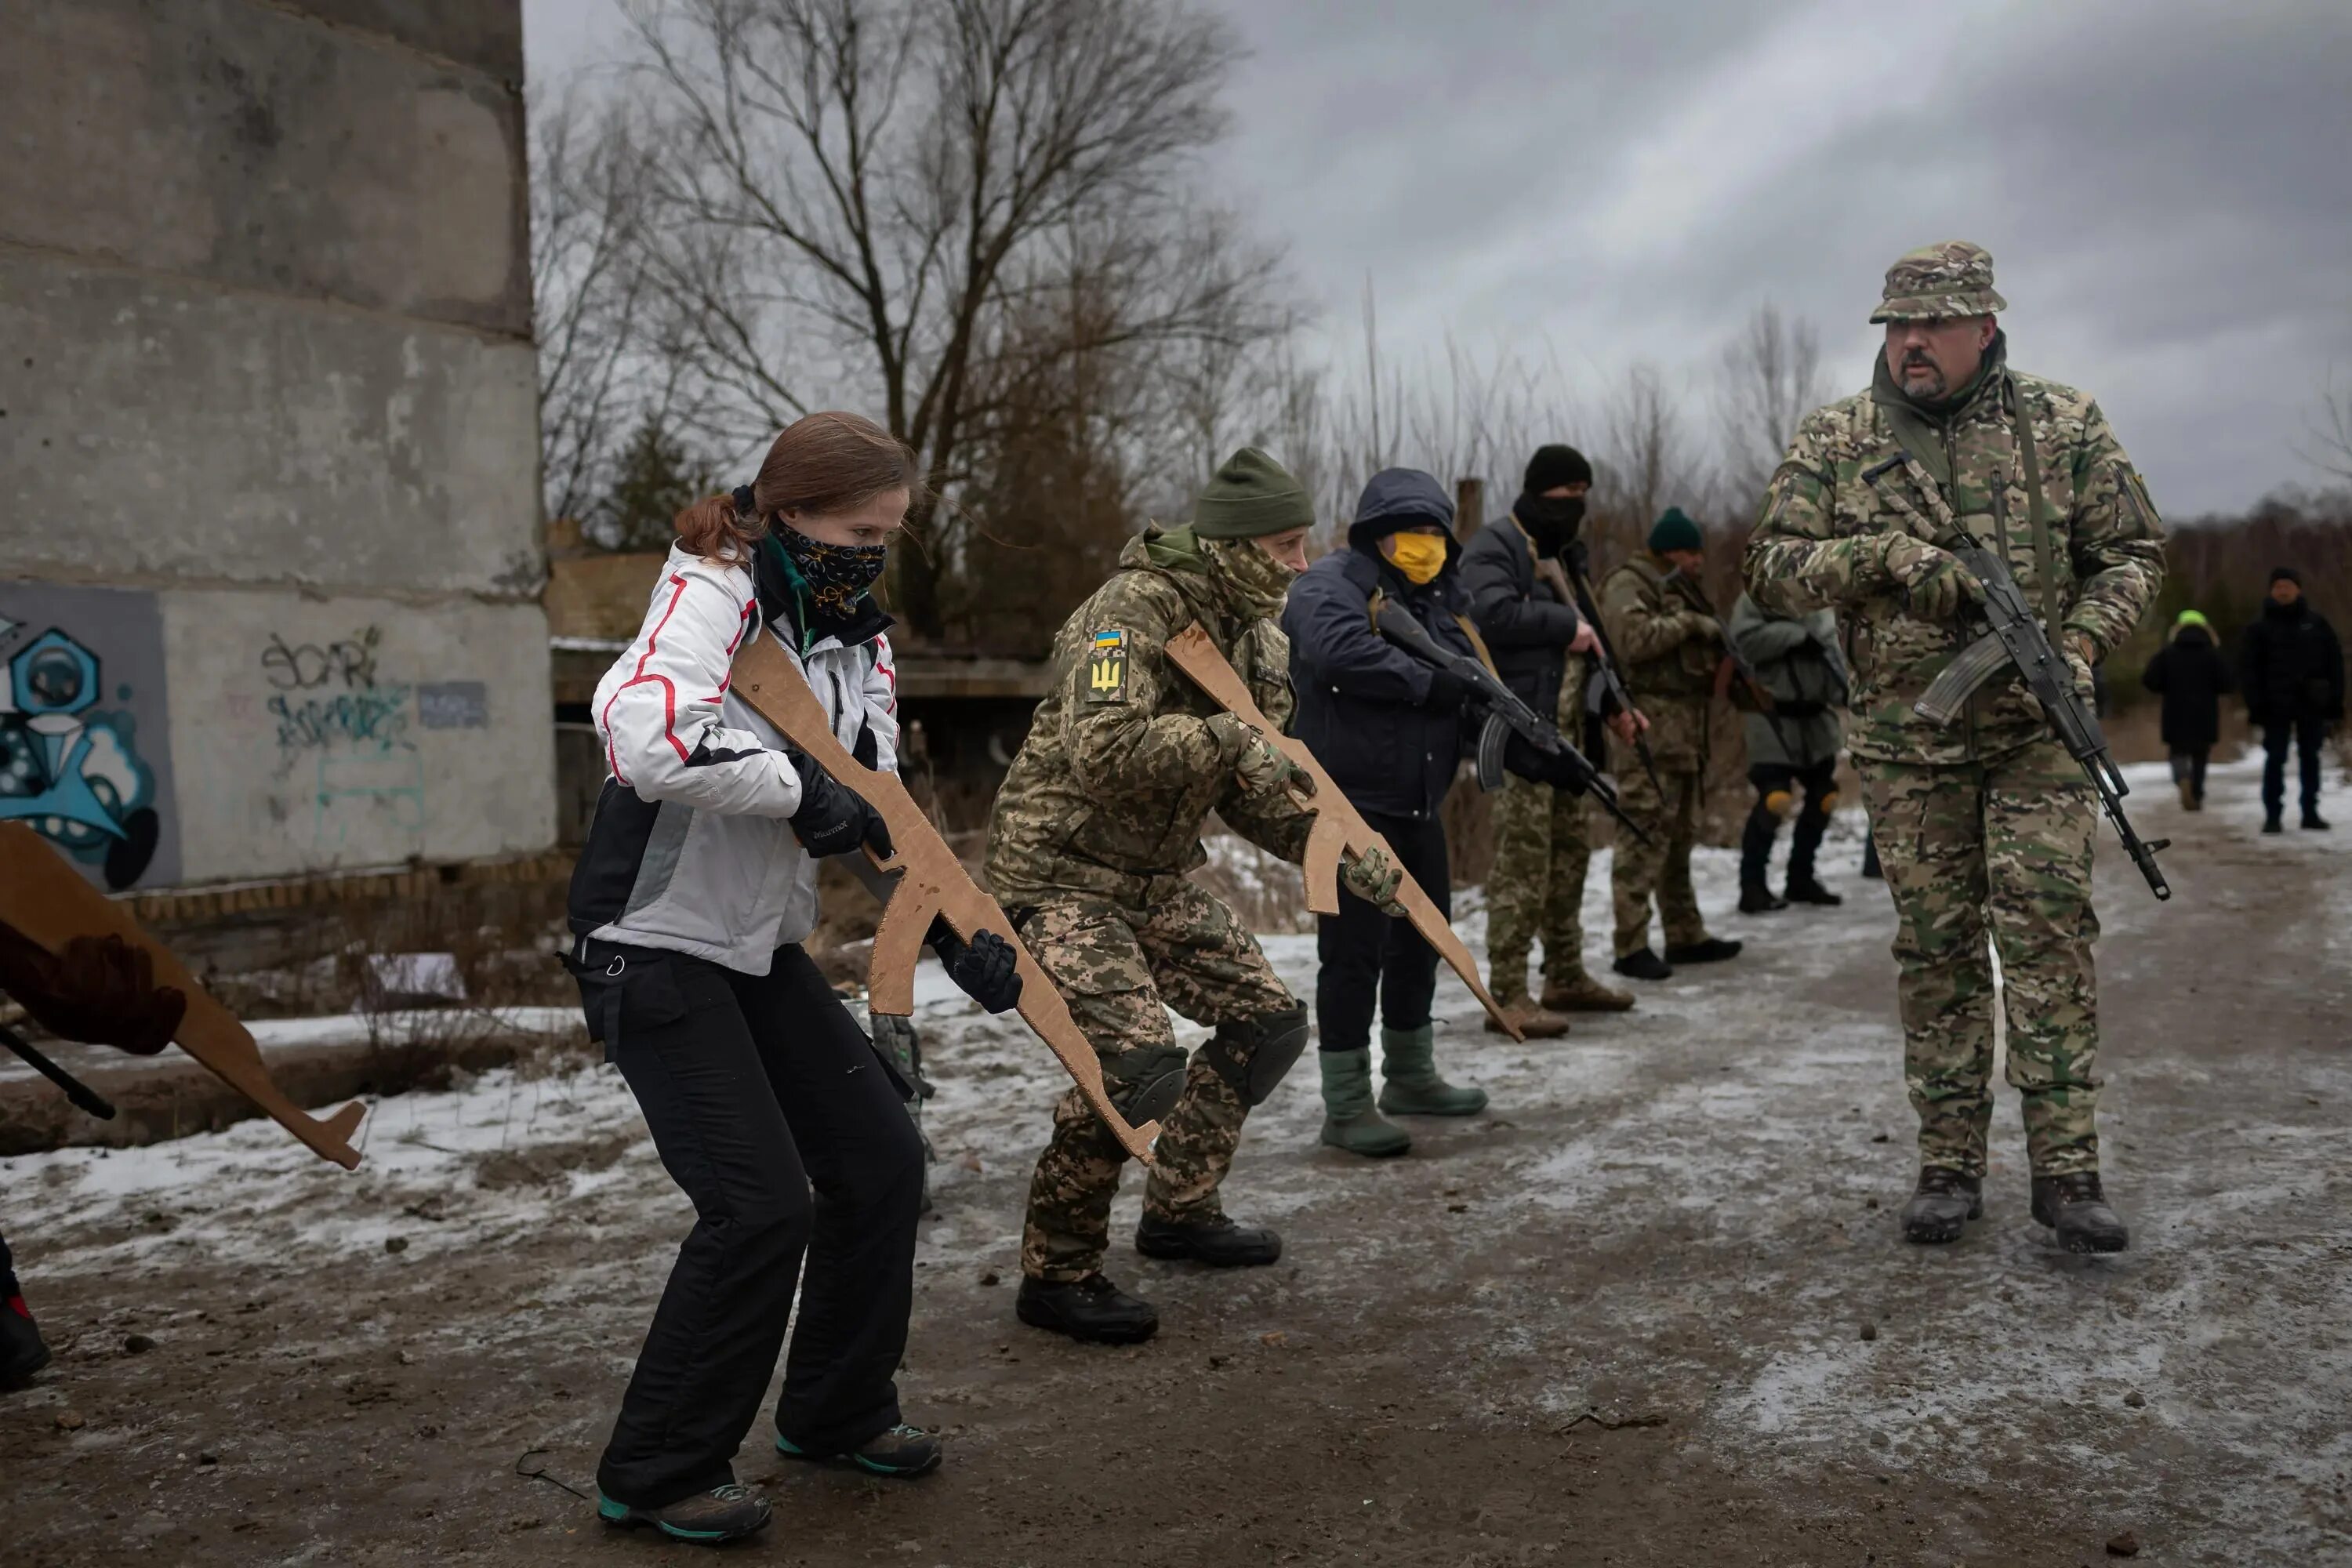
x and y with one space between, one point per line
2191 675
1392 731
2292 671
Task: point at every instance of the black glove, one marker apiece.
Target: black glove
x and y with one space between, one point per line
1557 769
984 969
98 989
1447 691
833 820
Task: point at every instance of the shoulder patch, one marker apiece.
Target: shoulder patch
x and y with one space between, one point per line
1106 666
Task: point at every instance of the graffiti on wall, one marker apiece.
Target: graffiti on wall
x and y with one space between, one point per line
345 726
85 754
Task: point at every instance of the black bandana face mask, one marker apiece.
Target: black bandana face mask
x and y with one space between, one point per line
833 576
1552 519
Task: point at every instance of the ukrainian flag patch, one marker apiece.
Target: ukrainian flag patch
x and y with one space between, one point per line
1107 667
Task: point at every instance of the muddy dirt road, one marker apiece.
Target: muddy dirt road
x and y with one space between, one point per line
1679 1223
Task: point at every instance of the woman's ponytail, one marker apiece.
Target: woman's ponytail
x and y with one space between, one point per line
712 529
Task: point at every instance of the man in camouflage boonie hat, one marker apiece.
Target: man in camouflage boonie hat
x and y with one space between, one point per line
1984 825
1939 282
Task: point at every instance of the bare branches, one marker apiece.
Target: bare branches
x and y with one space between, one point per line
2331 432
1770 379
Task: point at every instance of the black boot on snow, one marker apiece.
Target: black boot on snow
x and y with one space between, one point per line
1091 1310
1707 949
1805 890
2312 819
1642 964
2273 824
21 1350
2074 1206
1756 898
1216 1241
1941 1205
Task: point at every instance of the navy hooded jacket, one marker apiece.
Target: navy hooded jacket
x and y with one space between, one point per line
1363 700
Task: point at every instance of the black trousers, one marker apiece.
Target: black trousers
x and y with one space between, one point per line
2188 768
1364 952
1818 782
2308 735
772 1111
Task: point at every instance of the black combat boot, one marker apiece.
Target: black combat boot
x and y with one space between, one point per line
1756 898
1216 1241
22 1351
2074 1206
2271 824
1642 964
1707 949
902 1453
707 1519
1091 1310
1804 889
1943 1201
2312 819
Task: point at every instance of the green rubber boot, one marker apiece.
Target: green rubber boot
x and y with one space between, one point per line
1412 1087
1349 1121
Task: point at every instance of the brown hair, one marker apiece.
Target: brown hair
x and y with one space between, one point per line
820 464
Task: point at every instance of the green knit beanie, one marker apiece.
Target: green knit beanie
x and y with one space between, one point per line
2192 618
1251 497
1674 531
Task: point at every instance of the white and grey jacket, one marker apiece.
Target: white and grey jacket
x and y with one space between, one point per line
691 850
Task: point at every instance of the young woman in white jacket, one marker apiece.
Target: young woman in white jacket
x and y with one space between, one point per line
692 897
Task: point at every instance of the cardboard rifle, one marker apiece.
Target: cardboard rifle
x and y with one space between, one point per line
50 903
931 882
1339 829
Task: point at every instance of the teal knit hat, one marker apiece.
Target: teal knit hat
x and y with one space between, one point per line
1251 497
1674 531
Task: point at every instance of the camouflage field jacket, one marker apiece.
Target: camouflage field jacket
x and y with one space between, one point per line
1819 540
1653 616
1119 769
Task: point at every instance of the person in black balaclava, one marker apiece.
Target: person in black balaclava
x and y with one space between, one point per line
2291 671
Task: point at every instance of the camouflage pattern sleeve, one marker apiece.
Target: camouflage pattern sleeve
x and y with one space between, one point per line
1797 561
1129 732
1275 822
2114 539
1643 625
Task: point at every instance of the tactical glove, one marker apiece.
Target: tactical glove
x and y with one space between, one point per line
1258 763
98 989
2077 653
1537 766
1936 586
1374 878
984 969
833 820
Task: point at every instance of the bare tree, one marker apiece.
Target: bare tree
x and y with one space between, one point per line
1770 379
859 198
1647 460
2331 433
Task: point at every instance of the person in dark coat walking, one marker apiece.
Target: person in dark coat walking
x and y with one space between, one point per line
2291 671
2191 675
1392 731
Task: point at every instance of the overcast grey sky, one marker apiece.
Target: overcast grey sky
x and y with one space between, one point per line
2165 187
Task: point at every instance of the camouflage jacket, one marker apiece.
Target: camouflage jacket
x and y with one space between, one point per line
1823 530
1119 769
1670 655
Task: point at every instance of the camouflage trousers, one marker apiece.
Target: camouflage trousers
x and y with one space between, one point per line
1660 867
1536 886
1117 965
1999 849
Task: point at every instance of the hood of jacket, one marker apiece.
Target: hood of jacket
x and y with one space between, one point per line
1396 499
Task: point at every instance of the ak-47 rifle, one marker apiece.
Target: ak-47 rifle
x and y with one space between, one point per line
1507 715
931 882
1339 829
50 903
2016 640
1569 582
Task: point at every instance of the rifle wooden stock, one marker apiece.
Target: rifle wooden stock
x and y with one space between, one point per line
48 899
1339 829
931 882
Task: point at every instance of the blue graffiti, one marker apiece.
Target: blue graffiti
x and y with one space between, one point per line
70 770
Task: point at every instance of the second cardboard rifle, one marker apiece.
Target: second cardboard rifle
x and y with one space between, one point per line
2016 641
1507 716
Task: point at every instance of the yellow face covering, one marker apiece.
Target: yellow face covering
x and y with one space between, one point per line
1420 556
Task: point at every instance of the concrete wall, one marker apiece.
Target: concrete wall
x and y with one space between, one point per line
268 379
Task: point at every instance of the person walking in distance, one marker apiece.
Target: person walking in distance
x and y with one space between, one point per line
1793 746
1516 570
2291 671
1661 624
2189 673
1984 826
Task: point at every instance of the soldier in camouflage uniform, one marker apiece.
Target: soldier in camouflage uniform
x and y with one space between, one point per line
1094 836
1661 626
1984 825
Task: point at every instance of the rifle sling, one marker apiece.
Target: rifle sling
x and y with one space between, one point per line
2045 555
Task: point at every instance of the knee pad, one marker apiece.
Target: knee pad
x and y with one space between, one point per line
1828 803
1255 1055
1776 801
1145 1081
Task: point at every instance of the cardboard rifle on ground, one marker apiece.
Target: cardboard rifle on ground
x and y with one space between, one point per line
931 882
1339 829
51 903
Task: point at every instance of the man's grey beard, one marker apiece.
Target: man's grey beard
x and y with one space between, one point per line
1937 384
